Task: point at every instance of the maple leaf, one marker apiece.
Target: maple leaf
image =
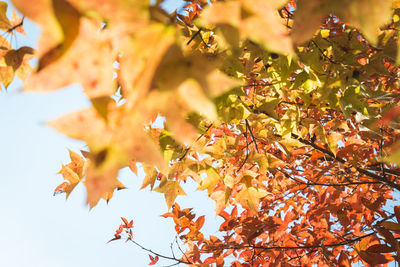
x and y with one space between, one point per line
73 172
150 177
71 176
4 22
309 15
15 62
99 181
136 79
127 224
264 128
123 17
222 13
333 139
108 195
78 65
250 197
153 260
20 62
220 198
210 181
170 189
62 188
193 95
60 22
110 149
17 23
256 20
175 112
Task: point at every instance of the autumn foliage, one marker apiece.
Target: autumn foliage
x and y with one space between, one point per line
286 113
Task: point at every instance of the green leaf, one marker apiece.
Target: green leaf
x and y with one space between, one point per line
268 106
351 101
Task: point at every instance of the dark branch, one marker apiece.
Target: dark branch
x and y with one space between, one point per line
16 26
194 36
247 151
328 153
343 243
325 184
198 138
251 134
158 254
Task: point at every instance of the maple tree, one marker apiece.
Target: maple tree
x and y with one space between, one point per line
285 113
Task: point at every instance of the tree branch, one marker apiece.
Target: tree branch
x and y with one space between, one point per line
198 138
158 254
325 184
251 134
247 151
346 242
343 161
17 25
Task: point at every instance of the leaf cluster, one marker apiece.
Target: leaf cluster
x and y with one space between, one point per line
285 113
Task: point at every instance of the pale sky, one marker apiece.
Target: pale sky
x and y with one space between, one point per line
40 230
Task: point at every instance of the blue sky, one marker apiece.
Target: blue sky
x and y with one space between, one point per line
40 230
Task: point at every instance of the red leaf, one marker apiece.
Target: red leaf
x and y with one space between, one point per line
61 188
168 214
127 224
397 213
124 220
121 227
117 236
153 260
389 116
380 248
199 222
375 258
344 259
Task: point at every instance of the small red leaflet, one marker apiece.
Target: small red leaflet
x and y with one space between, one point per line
153 260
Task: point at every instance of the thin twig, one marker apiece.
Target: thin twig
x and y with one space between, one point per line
198 138
17 25
251 134
346 242
261 84
179 247
158 254
247 151
323 54
194 36
324 184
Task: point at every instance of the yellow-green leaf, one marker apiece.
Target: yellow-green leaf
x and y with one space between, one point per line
210 181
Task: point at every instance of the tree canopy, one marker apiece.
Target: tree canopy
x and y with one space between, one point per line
286 113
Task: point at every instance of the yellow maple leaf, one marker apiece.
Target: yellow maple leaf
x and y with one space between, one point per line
250 197
210 181
110 147
170 189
